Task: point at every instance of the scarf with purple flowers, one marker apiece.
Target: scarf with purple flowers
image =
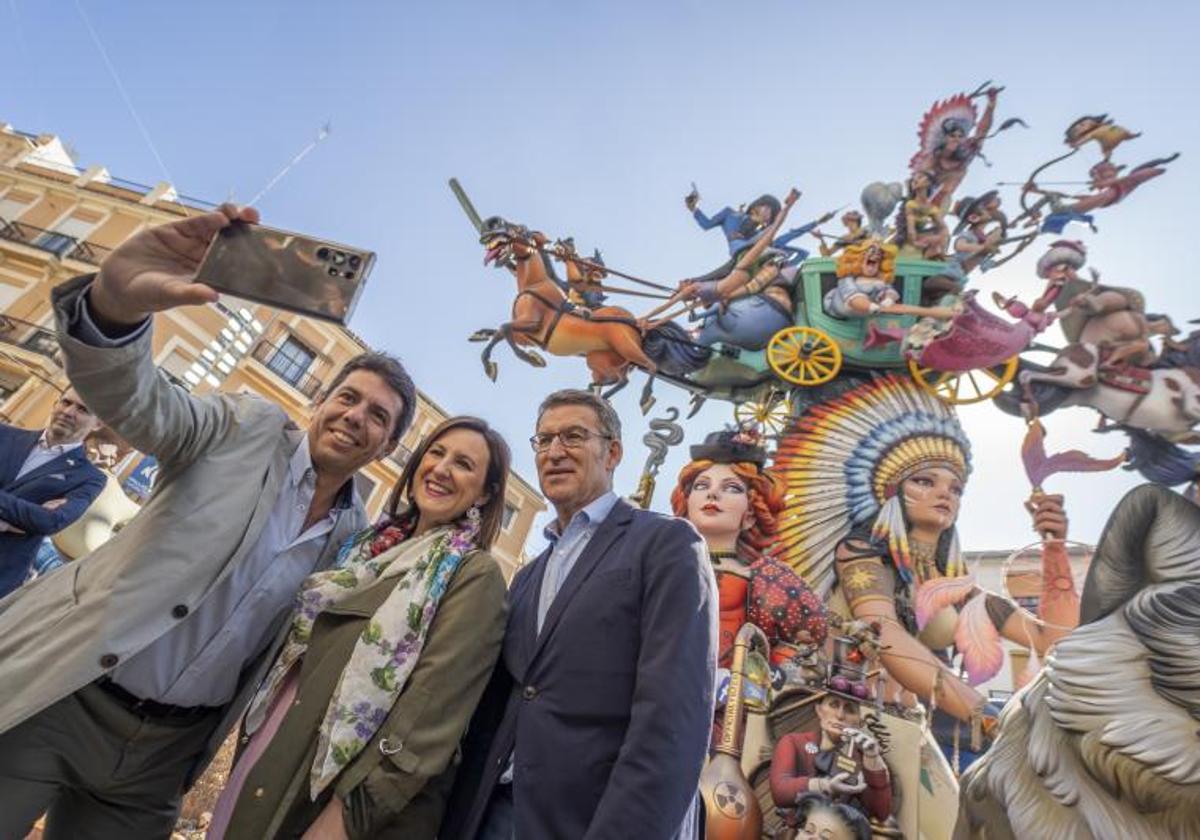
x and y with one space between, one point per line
388 649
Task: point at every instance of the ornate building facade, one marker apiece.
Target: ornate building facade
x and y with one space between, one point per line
57 221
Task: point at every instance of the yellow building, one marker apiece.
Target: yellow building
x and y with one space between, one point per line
57 221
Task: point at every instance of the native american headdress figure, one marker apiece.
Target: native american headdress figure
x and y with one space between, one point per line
956 113
844 461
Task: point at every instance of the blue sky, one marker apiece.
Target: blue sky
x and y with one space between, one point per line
591 119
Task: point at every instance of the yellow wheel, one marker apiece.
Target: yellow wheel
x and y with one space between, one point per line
971 386
769 417
804 356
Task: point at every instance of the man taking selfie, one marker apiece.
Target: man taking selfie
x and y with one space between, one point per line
124 673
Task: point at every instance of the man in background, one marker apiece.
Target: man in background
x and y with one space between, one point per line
46 483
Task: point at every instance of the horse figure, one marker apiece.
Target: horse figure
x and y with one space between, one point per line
607 336
1162 400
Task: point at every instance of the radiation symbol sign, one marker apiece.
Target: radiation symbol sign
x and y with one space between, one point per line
730 800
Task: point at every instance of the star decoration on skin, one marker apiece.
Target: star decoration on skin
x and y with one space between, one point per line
860 579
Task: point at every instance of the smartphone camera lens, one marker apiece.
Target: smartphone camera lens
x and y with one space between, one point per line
322 253
355 261
339 257
349 275
333 272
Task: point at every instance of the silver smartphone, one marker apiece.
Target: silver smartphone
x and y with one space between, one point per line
287 270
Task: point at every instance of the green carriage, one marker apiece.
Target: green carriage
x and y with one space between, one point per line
819 347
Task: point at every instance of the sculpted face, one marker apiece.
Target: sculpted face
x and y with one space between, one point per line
873 261
761 214
1061 273
919 183
719 505
931 498
824 824
835 714
954 138
1104 173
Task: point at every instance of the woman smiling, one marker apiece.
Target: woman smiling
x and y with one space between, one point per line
354 732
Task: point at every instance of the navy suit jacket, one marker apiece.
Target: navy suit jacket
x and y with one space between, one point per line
70 476
610 706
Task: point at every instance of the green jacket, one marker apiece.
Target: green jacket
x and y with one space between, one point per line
401 794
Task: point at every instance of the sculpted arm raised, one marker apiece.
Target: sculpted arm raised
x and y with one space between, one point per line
870 595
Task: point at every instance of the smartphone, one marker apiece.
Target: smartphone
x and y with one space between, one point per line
287 270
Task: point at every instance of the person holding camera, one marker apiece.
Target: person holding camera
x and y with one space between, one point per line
124 673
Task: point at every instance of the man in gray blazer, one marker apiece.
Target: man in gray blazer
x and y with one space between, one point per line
123 673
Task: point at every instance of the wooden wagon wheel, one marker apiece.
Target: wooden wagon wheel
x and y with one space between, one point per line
804 356
769 416
971 386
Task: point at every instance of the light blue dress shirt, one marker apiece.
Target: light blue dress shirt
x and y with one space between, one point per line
43 453
568 546
198 662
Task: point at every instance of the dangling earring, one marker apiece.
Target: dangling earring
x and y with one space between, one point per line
473 515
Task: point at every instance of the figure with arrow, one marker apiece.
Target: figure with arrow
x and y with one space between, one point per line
1106 188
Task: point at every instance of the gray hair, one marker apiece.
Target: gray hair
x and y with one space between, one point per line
610 423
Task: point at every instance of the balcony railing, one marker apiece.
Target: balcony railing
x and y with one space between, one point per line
31 337
400 455
270 356
59 244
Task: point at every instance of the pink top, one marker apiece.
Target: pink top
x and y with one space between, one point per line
257 746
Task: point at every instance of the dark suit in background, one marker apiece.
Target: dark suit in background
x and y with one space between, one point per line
610 706
69 476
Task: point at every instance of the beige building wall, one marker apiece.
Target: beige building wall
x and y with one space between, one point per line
57 221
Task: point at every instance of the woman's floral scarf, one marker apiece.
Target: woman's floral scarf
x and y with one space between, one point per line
388 649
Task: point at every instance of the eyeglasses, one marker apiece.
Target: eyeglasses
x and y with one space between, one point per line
572 438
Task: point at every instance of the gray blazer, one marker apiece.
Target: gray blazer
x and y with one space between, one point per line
222 459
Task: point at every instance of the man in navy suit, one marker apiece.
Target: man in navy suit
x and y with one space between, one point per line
46 483
596 721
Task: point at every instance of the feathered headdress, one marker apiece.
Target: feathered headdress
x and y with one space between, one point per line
843 462
958 110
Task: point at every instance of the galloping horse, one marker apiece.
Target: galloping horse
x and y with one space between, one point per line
609 339
1162 400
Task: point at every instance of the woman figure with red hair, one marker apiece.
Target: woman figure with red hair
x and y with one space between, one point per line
735 504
